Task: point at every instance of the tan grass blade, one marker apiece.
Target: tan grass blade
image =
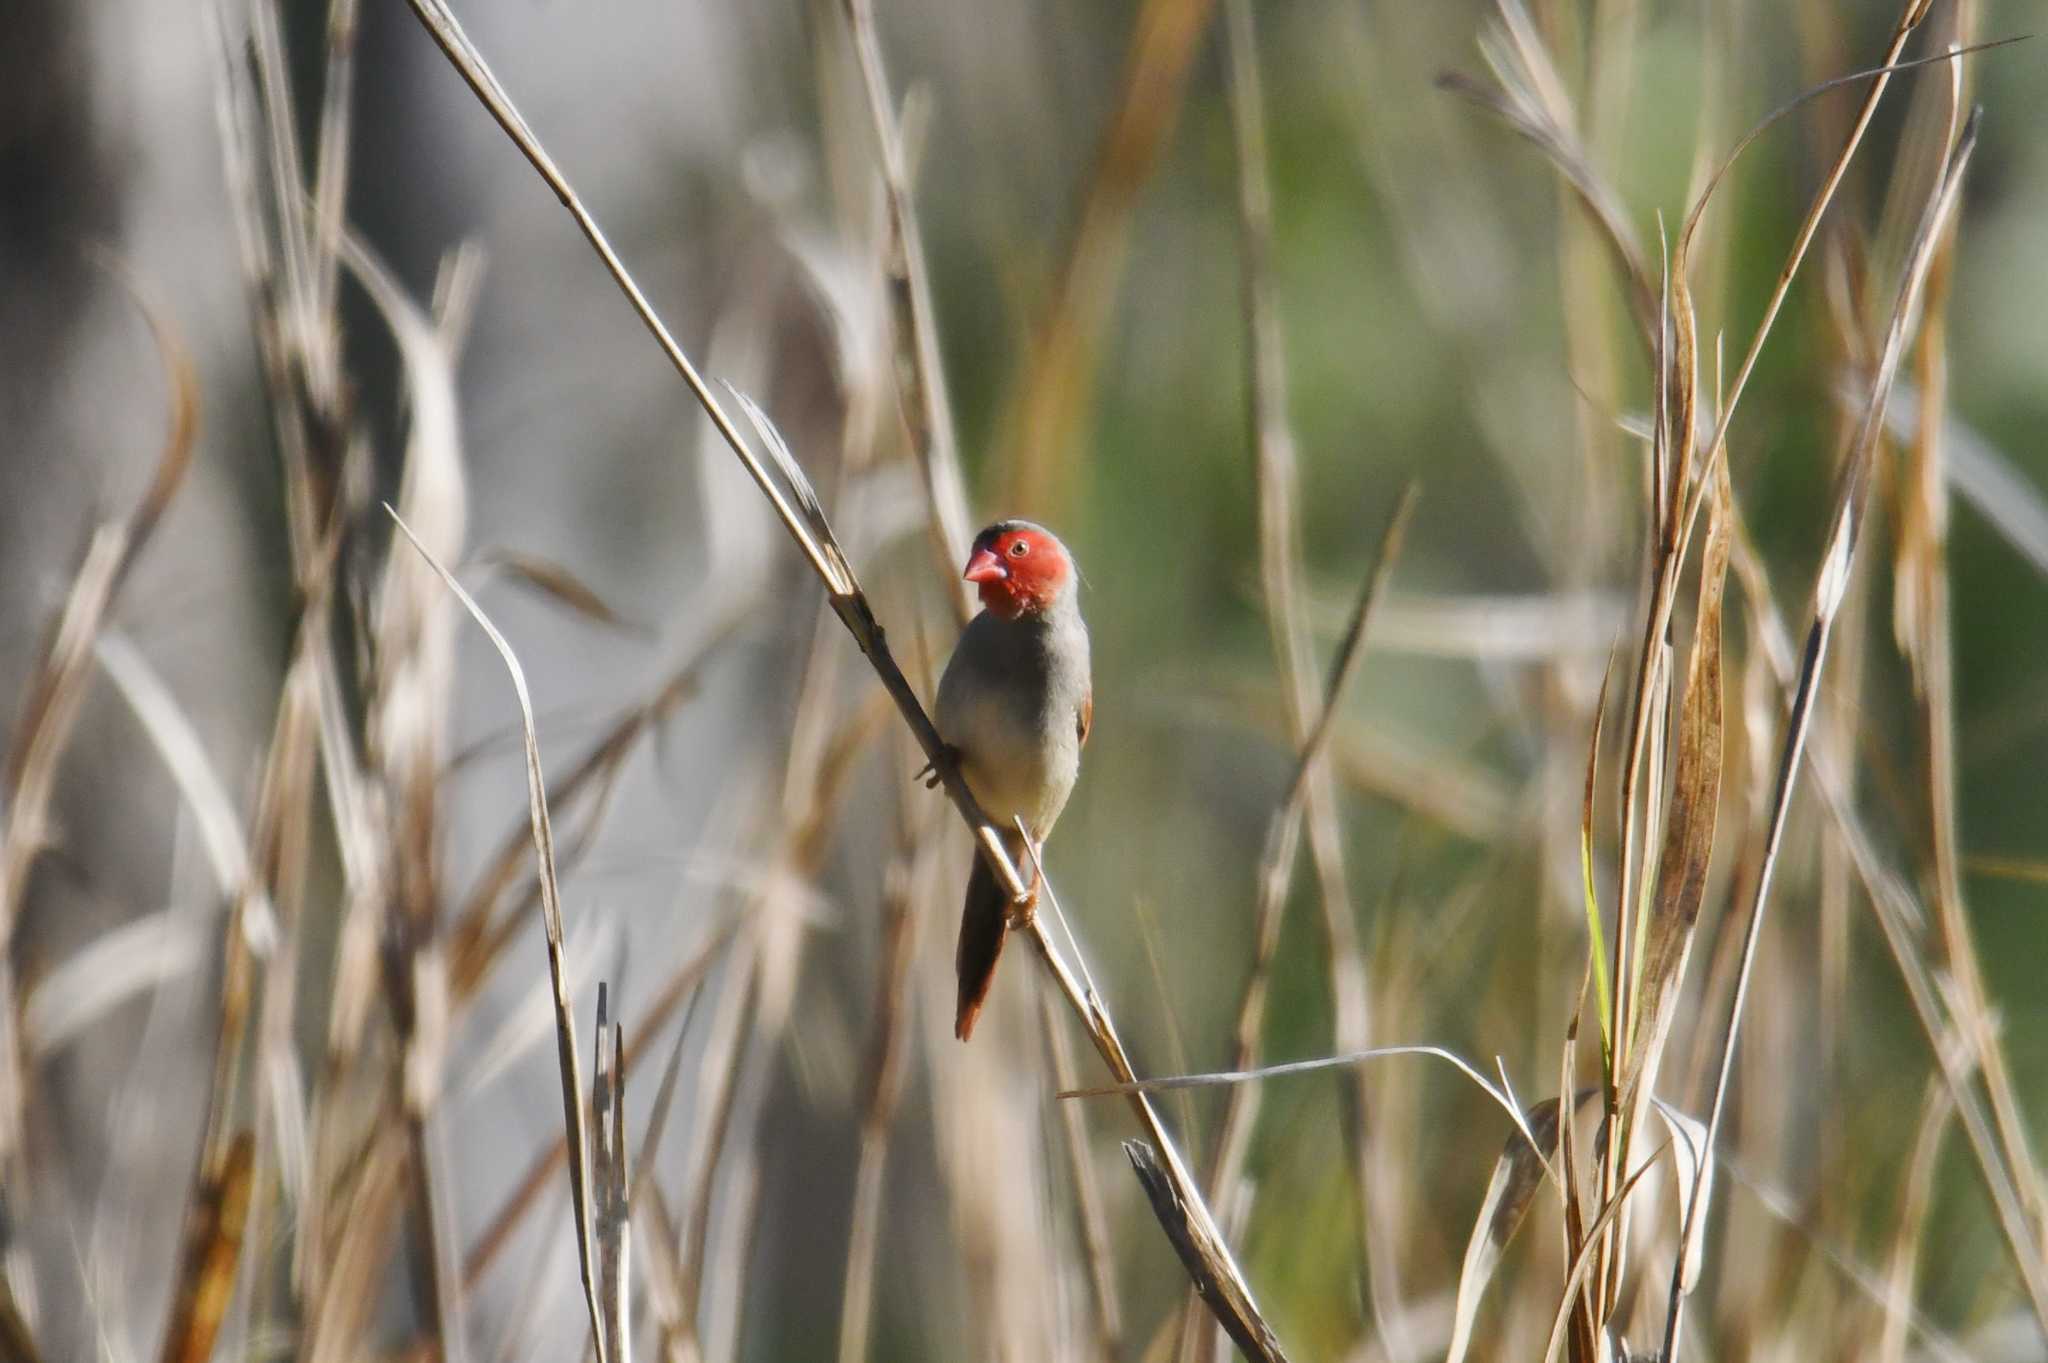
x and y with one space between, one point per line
1682 866
679 990
920 372
1831 582
1694 1159
881 1090
1568 1321
1053 392
1528 98
1916 1199
574 1120
482 931
555 583
135 958
184 756
1517 1174
55 691
1237 1078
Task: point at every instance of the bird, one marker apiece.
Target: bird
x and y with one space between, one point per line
1014 707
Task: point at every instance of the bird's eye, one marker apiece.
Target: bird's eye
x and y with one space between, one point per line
1019 549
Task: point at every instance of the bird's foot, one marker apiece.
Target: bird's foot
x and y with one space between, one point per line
1021 915
932 774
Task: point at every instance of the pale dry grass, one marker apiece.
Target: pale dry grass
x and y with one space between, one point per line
1629 892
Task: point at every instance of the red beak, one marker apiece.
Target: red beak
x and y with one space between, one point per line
985 566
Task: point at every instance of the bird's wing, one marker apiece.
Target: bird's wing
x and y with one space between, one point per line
1084 718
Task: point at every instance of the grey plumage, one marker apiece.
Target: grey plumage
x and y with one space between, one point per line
1011 701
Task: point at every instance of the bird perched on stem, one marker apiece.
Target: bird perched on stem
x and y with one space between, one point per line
1014 707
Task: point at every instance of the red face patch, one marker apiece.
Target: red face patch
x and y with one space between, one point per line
1018 569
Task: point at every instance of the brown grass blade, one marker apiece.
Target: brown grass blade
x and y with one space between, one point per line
613 1185
17 1344
212 1246
331 162
1196 1226
361 1254
1681 871
1186 1233
1693 807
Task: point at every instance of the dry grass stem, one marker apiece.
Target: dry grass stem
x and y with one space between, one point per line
1277 480
1276 870
574 1119
56 692
880 1091
920 370
1094 1227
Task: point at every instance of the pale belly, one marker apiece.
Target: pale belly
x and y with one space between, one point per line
1013 772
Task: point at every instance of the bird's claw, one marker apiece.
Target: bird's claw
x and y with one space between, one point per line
931 774
1019 914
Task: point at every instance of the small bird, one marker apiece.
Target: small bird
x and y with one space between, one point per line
1014 707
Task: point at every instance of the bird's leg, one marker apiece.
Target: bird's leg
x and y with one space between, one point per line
1020 915
931 774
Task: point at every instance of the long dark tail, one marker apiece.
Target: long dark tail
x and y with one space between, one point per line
984 922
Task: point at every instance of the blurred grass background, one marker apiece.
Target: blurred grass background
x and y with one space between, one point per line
1447 316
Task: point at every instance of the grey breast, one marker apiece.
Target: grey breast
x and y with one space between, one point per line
1009 700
